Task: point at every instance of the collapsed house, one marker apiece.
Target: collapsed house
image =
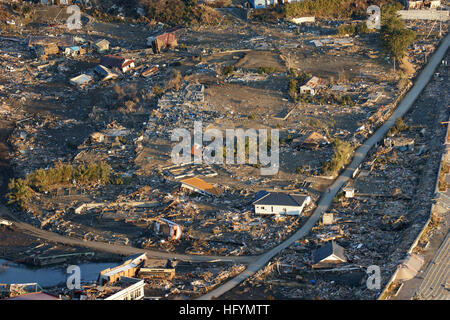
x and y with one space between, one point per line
101 46
168 228
105 73
43 51
328 255
118 62
164 40
150 71
56 2
200 186
61 41
314 141
261 4
312 86
158 269
409 268
281 203
74 51
420 4
19 289
128 269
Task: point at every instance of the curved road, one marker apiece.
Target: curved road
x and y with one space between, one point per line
115 248
359 156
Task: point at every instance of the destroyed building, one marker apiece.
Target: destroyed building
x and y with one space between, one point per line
198 185
312 86
118 62
421 4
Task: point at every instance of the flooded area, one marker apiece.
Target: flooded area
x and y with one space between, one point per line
11 272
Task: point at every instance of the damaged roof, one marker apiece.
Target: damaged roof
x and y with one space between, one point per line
114 61
315 82
202 185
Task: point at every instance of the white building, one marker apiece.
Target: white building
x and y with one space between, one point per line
312 86
281 203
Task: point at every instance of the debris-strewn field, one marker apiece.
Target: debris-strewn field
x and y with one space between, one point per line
379 224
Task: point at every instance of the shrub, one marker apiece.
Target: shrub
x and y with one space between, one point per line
228 70
266 70
157 91
175 81
293 91
342 151
19 192
398 127
344 29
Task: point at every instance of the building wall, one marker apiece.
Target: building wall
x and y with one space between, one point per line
194 189
133 292
307 90
289 210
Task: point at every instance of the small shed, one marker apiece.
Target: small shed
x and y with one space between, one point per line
328 218
349 192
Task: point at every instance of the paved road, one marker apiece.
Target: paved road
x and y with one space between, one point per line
437 275
359 156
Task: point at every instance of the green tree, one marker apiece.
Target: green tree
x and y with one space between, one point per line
395 36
